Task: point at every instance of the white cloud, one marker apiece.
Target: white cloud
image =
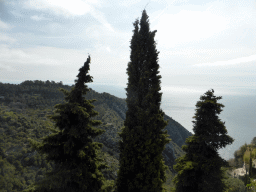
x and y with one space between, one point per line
69 8
38 18
59 63
101 18
63 7
51 56
188 26
37 56
6 38
195 55
128 3
4 25
228 62
95 2
108 49
197 52
102 38
16 14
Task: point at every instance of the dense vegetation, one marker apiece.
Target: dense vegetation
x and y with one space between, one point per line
20 120
246 154
21 165
243 154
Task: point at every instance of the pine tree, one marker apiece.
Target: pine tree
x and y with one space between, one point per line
142 138
71 146
199 170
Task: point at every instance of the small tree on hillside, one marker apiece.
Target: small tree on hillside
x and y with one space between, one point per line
143 139
199 170
71 146
253 142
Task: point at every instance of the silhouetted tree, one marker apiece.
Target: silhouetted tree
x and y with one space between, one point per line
142 138
71 146
199 170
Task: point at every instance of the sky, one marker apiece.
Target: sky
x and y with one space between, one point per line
202 44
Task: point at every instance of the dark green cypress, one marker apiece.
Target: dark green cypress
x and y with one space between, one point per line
142 139
250 164
199 170
71 146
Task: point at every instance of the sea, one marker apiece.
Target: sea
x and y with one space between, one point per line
178 102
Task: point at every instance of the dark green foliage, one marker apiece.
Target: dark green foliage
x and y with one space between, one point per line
250 164
70 146
240 154
253 142
238 160
142 138
200 169
33 94
18 124
246 179
17 165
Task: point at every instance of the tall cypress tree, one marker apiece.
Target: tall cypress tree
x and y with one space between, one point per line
250 163
199 170
142 138
71 146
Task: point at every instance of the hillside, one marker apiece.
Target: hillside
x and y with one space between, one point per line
113 110
23 114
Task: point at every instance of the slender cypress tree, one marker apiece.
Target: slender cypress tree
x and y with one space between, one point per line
250 164
142 138
71 146
199 170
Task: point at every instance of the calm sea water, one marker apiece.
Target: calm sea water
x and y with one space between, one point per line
239 113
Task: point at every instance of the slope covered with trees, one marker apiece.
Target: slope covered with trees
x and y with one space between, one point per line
21 165
22 119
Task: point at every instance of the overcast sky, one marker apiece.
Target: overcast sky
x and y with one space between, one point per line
204 44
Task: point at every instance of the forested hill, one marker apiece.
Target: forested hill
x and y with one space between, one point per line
23 114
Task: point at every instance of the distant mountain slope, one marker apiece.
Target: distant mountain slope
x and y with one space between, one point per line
23 114
177 132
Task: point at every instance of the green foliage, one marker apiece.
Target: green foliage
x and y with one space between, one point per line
253 142
33 94
243 155
15 132
16 159
250 166
249 154
142 137
30 122
70 146
200 168
233 184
